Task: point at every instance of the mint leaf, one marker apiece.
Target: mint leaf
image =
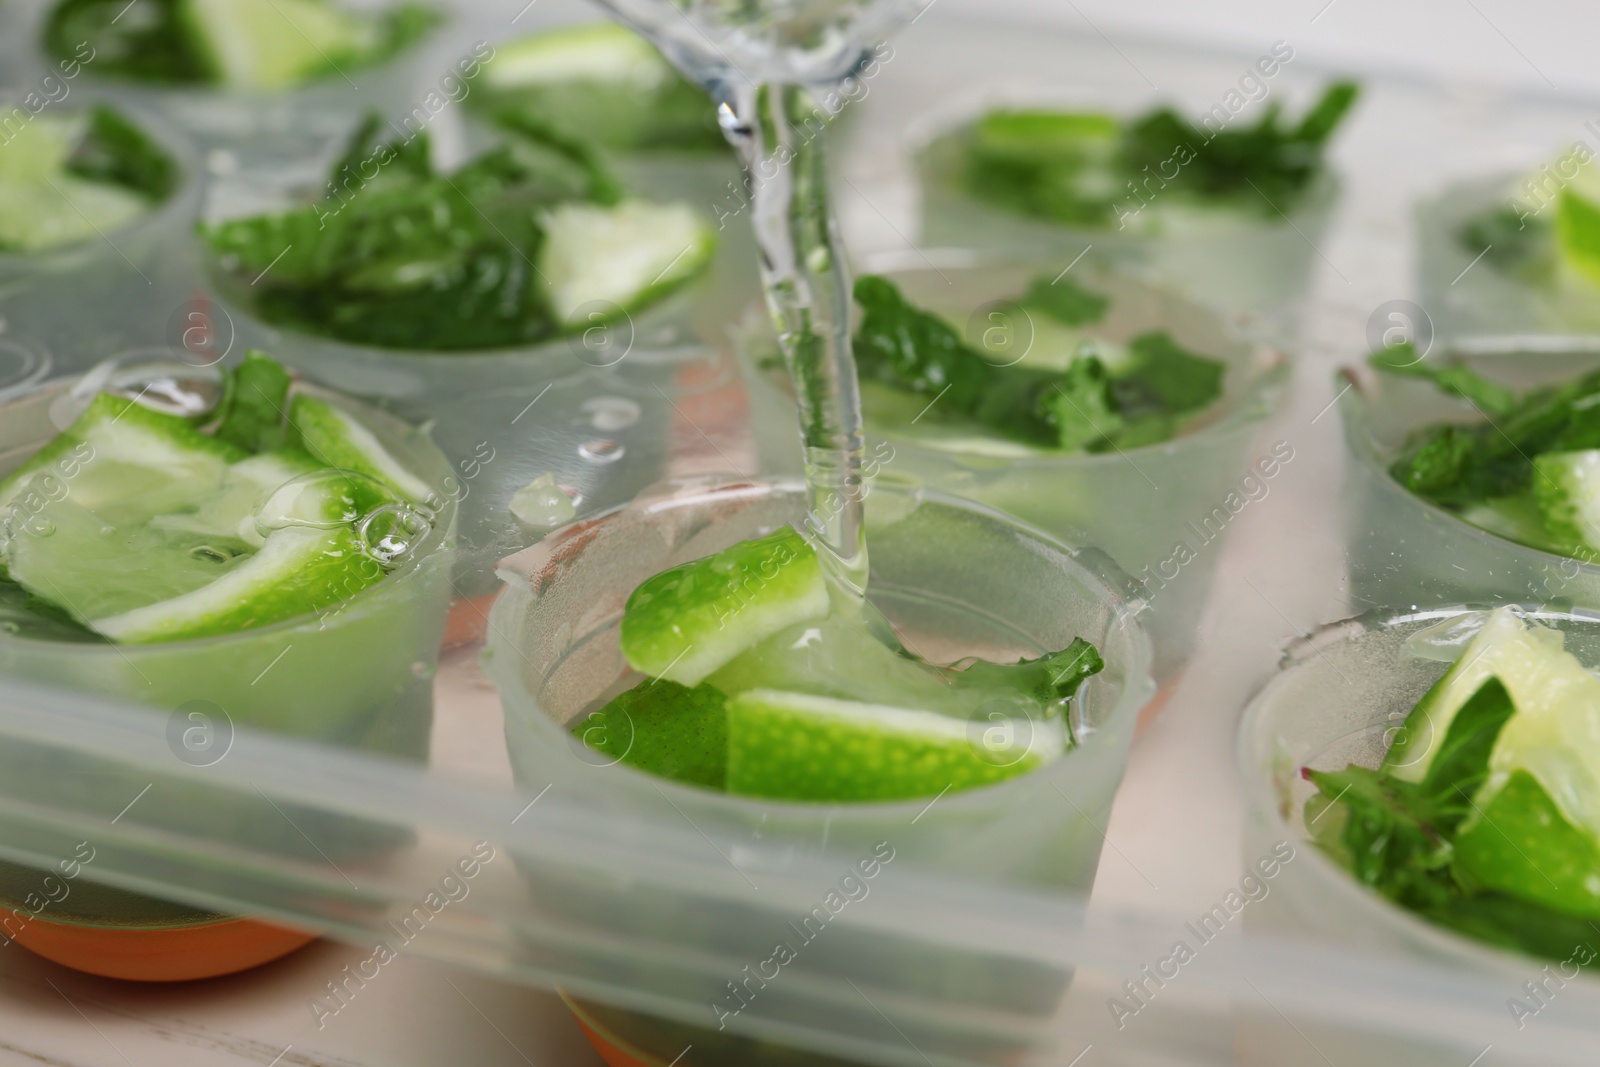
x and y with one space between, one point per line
154 45
1083 407
1400 837
1456 379
254 402
1068 668
1066 301
406 259
1163 377
116 151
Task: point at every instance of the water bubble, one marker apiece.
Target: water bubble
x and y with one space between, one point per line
152 378
420 669
39 526
602 450
207 554
392 532
542 504
320 500
610 413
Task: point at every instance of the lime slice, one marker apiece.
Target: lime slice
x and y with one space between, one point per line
1567 487
41 204
1521 844
297 571
1522 657
233 511
121 461
600 52
665 729
1578 220
1553 736
601 261
280 43
684 623
333 436
795 746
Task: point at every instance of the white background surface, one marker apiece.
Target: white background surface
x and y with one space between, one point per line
422 1014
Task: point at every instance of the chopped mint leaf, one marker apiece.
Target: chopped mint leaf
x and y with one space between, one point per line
150 44
169 42
1161 376
116 151
907 347
1080 168
1428 845
1081 407
1511 241
1084 407
403 261
571 162
1460 466
666 729
1068 668
254 402
1066 301
1456 379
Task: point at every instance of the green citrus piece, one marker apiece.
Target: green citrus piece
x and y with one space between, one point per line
684 623
796 746
1520 844
619 257
333 436
665 729
278 43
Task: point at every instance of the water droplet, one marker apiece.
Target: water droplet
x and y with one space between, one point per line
610 413
542 504
392 532
39 526
601 450
420 669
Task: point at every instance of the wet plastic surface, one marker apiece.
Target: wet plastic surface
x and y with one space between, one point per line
1175 841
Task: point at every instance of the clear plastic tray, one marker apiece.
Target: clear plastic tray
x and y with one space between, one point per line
1006 976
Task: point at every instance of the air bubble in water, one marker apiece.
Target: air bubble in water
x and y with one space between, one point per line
610 413
601 450
320 500
208 554
392 532
542 504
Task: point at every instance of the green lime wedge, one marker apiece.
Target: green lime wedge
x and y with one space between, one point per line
1578 220
234 510
1520 844
597 260
684 623
665 729
600 52
1524 658
275 44
333 436
43 205
123 462
1567 488
795 746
